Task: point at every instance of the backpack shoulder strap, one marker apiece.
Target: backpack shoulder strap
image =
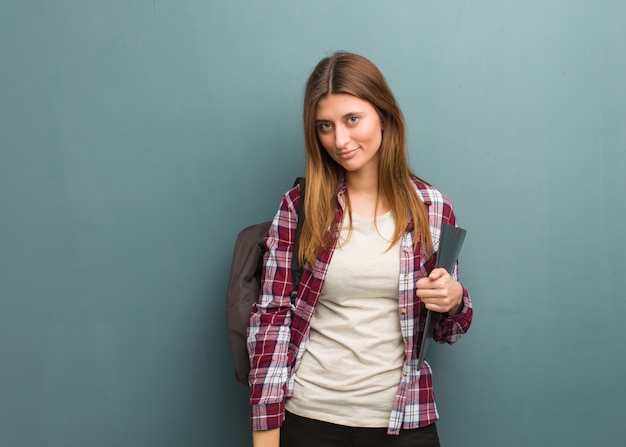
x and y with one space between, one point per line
296 267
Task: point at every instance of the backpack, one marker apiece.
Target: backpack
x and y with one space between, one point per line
244 284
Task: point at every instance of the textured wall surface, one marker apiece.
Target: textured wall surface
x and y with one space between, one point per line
139 136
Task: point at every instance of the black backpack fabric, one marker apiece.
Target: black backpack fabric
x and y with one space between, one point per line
244 284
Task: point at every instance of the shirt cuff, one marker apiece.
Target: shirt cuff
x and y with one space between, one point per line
267 416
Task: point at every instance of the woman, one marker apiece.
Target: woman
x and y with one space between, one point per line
340 367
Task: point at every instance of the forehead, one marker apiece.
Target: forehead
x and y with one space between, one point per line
339 104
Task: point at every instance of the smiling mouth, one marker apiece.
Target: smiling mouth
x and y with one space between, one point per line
347 154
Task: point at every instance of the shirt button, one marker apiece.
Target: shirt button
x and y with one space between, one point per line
403 311
405 340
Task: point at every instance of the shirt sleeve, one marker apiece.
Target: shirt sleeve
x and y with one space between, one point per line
269 328
451 328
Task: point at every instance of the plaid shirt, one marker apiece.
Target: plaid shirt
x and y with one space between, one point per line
278 333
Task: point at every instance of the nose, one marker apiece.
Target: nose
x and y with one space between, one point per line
342 137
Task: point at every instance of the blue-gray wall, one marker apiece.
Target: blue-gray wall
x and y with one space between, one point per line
138 136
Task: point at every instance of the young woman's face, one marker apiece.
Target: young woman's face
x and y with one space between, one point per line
350 130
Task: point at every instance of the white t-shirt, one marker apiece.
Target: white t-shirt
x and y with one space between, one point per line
350 371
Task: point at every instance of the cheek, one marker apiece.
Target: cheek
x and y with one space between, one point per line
373 134
325 140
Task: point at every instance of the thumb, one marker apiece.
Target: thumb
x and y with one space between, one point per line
437 273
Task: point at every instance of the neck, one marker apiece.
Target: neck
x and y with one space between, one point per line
362 184
364 196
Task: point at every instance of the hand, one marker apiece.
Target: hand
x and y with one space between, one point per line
266 438
440 292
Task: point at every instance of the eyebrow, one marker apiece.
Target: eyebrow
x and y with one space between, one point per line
347 115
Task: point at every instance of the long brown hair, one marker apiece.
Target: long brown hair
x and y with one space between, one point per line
355 75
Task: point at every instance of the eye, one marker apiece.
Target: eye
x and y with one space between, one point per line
353 119
324 126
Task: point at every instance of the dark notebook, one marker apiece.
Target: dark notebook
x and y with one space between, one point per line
450 245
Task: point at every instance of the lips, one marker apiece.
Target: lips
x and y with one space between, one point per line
348 153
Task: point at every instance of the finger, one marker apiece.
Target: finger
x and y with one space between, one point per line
438 273
435 307
423 283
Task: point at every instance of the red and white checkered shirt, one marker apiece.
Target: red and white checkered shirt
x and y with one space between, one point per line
278 333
